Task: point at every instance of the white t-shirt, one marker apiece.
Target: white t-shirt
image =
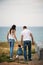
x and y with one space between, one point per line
26 34
11 36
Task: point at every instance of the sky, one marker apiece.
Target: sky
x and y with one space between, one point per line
21 12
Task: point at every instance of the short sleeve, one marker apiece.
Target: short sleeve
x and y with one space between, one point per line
21 33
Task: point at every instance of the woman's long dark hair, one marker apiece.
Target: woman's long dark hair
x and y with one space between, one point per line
13 28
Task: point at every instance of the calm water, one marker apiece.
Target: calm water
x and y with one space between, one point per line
37 33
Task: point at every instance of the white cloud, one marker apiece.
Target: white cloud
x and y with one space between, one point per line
21 12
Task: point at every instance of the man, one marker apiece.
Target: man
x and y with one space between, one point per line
26 38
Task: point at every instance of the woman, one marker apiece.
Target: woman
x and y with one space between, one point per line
11 37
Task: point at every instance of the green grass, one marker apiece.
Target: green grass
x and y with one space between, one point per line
5 58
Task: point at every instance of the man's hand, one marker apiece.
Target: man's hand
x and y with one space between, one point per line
33 43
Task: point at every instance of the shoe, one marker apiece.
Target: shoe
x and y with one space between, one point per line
17 56
11 58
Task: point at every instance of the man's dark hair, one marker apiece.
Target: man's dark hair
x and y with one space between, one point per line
24 27
10 30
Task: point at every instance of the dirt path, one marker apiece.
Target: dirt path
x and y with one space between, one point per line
26 63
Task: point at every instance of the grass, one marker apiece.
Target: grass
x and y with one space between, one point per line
5 58
5 51
4 44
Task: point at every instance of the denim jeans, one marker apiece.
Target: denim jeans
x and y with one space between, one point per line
11 43
27 43
19 51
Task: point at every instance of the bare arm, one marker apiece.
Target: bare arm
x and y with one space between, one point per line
32 38
7 35
15 36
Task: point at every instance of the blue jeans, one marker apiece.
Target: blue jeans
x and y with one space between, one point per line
27 43
19 51
11 41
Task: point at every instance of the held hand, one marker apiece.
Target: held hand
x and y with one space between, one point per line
21 46
16 41
33 42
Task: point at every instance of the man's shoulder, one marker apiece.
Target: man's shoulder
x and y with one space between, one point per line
22 32
29 31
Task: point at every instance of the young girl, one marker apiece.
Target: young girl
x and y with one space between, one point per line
11 37
19 51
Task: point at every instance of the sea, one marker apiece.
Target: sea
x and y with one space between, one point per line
36 31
